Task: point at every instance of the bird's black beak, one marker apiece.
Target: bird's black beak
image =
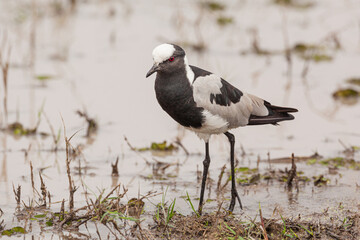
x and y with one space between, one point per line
154 68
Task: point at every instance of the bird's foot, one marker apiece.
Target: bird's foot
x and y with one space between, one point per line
234 196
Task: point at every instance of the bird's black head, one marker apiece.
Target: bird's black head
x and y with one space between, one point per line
168 58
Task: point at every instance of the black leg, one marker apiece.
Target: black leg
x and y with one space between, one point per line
206 163
234 193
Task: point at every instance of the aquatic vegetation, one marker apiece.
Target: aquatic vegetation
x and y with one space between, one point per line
312 52
161 146
214 6
223 20
13 231
92 125
295 3
249 179
354 81
337 162
319 57
44 77
18 129
320 180
346 95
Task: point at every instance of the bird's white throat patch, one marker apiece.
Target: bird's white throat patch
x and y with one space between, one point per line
163 52
189 73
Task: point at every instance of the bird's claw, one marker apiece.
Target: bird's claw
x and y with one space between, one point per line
234 196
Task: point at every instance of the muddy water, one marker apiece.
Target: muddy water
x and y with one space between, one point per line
97 58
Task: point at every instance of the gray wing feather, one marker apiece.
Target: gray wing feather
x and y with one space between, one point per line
236 114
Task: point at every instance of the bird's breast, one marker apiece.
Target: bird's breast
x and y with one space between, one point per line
177 100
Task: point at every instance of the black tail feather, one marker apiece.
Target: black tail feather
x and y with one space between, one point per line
276 114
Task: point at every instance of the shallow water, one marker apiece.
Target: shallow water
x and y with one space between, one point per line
97 58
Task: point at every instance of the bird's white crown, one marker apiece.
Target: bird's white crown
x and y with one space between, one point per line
163 52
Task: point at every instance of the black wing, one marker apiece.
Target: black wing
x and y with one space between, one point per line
276 114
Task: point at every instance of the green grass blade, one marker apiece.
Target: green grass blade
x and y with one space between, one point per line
307 230
192 206
231 230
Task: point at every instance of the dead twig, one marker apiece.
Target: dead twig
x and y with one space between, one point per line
55 137
178 142
49 198
43 190
97 231
292 172
32 177
134 149
62 210
288 57
4 65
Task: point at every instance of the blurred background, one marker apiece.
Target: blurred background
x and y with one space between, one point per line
85 62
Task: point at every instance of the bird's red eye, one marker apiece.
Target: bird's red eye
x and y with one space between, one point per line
171 59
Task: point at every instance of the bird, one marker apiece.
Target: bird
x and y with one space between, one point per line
207 104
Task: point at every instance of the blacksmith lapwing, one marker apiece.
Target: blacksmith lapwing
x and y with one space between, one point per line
207 104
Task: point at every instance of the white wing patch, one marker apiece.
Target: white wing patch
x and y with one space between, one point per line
163 52
204 86
235 115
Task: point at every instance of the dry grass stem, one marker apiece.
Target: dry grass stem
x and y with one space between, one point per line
115 171
220 177
134 149
43 190
32 177
178 142
17 193
53 135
